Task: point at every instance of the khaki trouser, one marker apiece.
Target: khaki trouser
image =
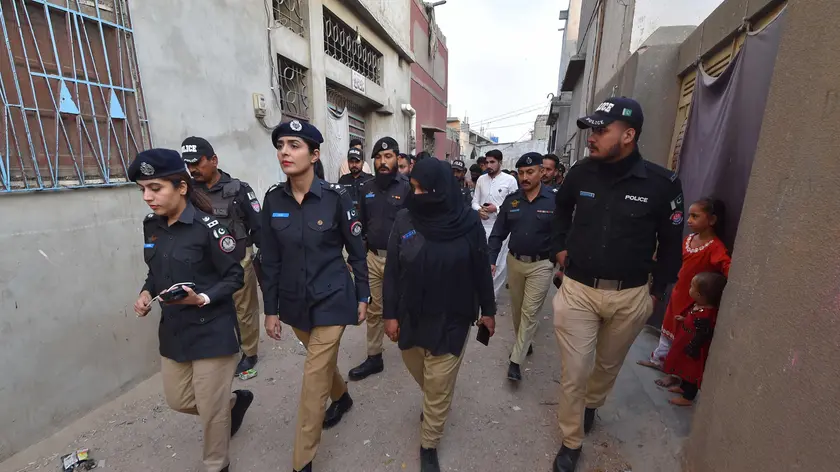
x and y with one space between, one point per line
202 388
595 329
375 325
436 376
248 307
528 283
320 380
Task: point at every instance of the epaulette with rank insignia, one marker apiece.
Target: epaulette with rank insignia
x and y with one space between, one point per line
339 189
661 171
148 217
270 189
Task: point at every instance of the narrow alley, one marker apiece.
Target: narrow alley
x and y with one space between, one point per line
492 427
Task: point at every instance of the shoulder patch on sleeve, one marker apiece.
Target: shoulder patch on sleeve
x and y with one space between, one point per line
211 223
661 171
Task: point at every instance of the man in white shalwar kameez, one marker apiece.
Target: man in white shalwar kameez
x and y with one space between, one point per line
491 189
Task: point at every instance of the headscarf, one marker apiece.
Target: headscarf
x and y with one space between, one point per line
439 214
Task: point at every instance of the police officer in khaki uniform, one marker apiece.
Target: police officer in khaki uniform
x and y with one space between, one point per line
614 213
235 204
525 216
198 343
381 198
306 224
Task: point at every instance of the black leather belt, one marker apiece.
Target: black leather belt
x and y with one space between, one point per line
543 256
604 284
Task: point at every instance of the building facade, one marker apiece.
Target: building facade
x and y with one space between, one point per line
468 139
429 83
136 74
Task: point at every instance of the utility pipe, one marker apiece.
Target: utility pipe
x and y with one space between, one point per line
412 134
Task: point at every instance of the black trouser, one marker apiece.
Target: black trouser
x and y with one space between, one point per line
689 390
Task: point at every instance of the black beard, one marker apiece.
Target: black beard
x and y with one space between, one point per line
383 179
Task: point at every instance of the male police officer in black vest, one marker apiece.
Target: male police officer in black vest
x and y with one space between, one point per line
353 181
235 204
381 198
614 211
459 170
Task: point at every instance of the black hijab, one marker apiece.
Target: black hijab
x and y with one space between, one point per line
440 214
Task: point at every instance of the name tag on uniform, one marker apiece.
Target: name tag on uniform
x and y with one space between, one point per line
370 195
279 215
409 234
514 211
587 194
547 212
148 245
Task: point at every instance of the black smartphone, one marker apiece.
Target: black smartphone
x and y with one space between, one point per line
176 293
483 335
486 205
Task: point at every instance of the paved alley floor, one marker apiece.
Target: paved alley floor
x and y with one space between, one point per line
493 425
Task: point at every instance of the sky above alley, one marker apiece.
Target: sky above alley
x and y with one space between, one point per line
504 57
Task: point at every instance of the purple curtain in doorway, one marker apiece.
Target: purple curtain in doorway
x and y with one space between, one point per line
724 126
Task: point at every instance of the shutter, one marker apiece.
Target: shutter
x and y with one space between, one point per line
356 123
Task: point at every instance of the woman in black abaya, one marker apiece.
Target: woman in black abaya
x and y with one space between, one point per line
436 280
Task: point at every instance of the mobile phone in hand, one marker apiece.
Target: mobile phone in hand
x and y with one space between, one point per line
483 335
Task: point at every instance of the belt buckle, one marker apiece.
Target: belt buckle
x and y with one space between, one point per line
603 284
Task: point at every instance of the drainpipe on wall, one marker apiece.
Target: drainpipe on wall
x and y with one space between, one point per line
412 134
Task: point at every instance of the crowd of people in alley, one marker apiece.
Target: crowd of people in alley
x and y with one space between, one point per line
418 250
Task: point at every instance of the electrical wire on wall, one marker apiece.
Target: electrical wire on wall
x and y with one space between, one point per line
274 81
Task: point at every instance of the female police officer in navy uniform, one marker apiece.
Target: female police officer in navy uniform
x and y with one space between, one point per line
198 336
306 223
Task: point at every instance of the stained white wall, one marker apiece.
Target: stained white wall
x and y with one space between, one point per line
652 14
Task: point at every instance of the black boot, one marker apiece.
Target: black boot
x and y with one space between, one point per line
371 365
246 363
337 409
513 372
566 459
530 350
429 460
588 420
306 468
237 414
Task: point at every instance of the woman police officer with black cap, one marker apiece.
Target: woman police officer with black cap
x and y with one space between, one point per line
199 343
306 223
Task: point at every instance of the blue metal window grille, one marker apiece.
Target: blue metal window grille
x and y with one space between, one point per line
73 113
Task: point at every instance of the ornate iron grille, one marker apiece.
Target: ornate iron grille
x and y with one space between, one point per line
340 42
294 96
290 14
72 109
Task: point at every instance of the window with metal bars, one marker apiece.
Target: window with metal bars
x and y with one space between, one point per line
294 93
290 14
347 46
72 110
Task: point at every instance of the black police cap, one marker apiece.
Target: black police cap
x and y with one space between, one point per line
297 129
612 110
354 155
458 164
194 148
154 164
529 159
385 144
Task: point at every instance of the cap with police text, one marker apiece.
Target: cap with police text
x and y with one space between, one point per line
194 148
385 144
297 129
154 164
529 159
354 154
614 109
459 165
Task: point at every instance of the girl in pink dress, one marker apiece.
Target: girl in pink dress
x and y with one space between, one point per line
703 251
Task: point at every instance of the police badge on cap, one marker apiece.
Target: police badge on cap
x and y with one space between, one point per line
295 125
385 144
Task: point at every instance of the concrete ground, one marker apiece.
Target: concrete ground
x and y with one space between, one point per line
493 425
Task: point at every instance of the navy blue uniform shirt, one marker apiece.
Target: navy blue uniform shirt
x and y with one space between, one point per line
197 248
612 220
527 223
379 208
307 282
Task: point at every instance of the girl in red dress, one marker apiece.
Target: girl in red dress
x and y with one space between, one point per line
687 357
703 251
